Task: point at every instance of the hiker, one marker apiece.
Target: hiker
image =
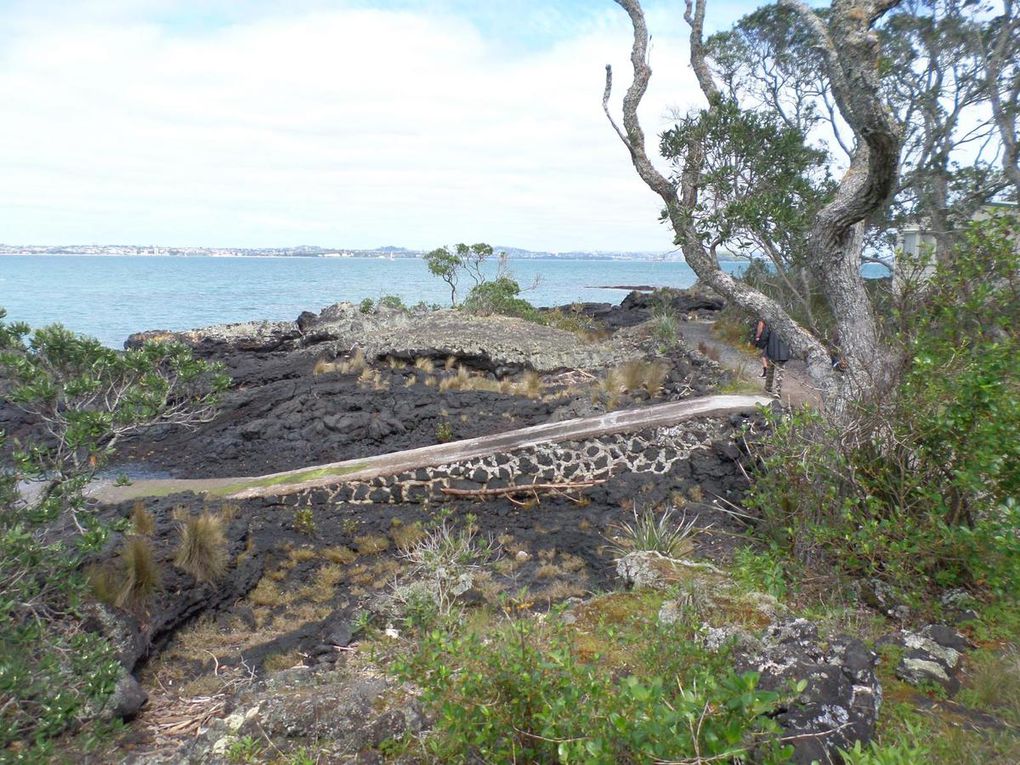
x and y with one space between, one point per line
775 354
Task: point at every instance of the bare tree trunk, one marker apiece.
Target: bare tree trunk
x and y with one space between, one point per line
850 48
1004 95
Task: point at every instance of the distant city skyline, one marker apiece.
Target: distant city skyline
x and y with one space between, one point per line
258 123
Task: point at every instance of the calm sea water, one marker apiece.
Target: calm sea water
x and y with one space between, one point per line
111 297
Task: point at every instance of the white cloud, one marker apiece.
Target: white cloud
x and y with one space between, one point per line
342 128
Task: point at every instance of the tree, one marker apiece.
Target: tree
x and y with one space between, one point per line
447 266
465 259
1002 73
85 397
848 48
936 66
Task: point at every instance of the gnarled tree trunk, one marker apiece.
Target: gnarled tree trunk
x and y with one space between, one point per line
850 49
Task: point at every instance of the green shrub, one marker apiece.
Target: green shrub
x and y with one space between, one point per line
651 532
919 488
522 695
444 432
52 671
764 570
884 754
391 301
499 296
366 305
304 521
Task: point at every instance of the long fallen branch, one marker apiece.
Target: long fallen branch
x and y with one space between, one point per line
562 488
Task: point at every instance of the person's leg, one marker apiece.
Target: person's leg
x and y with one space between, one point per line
764 364
778 384
770 372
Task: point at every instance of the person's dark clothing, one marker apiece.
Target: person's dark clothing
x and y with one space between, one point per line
776 349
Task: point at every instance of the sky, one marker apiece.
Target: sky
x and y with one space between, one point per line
338 123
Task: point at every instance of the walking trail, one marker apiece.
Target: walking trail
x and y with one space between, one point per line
798 390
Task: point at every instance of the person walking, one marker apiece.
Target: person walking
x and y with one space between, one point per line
774 357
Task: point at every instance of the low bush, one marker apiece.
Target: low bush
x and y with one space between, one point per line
523 694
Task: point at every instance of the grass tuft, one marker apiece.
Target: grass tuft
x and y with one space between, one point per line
666 534
140 573
203 548
143 523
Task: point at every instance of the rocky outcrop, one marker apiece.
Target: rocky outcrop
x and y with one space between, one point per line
339 714
497 344
841 697
931 656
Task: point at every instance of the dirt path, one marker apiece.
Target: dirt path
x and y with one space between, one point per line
626 420
798 390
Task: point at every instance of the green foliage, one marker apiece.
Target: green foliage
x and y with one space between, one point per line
761 570
499 296
523 695
665 328
655 532
444 432
366 305
86 397
899 753
393 302
304 521
919 489
463 260
244 750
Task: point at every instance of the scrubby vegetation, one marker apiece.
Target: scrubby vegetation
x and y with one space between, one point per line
528 691
919 488
53 673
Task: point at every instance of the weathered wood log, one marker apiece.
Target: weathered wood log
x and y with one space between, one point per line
292 481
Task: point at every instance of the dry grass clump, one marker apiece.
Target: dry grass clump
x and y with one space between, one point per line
130 580
143 523
355 364
140 573
369 544
396 364
451 362
102 581
531 384
709 351
281 661
339 554
406 535
425 364
633 376
202 551
560 590
301 554
459 381
323 367
323 586
267 593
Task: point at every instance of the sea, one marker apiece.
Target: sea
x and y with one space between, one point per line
110 297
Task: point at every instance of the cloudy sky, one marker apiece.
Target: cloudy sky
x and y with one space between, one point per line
340 123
